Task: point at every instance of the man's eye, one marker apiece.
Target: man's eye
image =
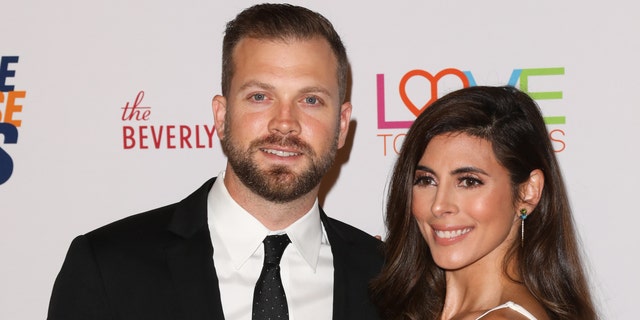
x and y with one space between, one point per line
311 100
259 97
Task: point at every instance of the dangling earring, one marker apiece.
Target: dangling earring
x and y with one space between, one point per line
523 215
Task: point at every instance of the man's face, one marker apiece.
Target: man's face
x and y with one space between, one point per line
282 122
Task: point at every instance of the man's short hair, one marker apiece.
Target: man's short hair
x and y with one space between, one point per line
281 22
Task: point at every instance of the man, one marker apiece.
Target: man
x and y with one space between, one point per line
280 120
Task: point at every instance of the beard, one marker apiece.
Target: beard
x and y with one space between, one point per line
278 183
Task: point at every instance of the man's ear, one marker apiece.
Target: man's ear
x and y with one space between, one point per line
219 106
531 190
345 119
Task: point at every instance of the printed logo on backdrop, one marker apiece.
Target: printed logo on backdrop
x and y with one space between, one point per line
10 106
417 89
141 132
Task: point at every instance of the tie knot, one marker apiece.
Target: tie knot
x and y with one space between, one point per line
274 247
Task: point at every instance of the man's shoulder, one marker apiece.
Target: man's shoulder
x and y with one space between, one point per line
145 224
361 252
186 213
351 234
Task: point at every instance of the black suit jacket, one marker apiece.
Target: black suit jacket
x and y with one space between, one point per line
159 265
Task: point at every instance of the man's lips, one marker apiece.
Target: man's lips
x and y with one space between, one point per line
283 146
280 153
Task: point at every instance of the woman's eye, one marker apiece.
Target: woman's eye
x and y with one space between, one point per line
470 182
422 180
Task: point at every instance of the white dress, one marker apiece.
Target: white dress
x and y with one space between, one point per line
512 306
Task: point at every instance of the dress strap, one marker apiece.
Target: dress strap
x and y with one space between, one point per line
513 306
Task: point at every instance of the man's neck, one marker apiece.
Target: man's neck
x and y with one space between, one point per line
273 215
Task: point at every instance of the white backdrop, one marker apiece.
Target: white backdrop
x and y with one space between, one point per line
79 163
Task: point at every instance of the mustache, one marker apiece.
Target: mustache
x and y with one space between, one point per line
284 141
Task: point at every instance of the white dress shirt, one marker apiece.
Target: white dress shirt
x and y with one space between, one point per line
238 253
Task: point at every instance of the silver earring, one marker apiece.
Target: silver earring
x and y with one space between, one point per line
523 216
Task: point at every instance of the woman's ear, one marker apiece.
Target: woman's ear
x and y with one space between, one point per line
531 190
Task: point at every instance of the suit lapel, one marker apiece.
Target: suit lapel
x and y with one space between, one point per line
190 258
339 248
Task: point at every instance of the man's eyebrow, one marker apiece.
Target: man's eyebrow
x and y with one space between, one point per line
316 90
266 86
258 84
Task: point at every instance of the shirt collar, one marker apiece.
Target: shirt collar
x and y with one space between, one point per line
236 231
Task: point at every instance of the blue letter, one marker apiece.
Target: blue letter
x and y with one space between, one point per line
6 73
10 133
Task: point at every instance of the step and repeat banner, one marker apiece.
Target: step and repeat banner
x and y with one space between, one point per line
105 111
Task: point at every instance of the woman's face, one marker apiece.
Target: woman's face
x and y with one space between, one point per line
463 202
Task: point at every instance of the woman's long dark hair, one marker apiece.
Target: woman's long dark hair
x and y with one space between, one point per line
411 285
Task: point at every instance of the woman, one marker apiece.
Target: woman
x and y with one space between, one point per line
478 220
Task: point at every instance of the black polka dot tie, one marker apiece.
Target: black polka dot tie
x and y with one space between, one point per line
269 300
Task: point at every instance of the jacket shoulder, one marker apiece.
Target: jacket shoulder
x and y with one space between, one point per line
353 243
145 222
353 234
182 218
